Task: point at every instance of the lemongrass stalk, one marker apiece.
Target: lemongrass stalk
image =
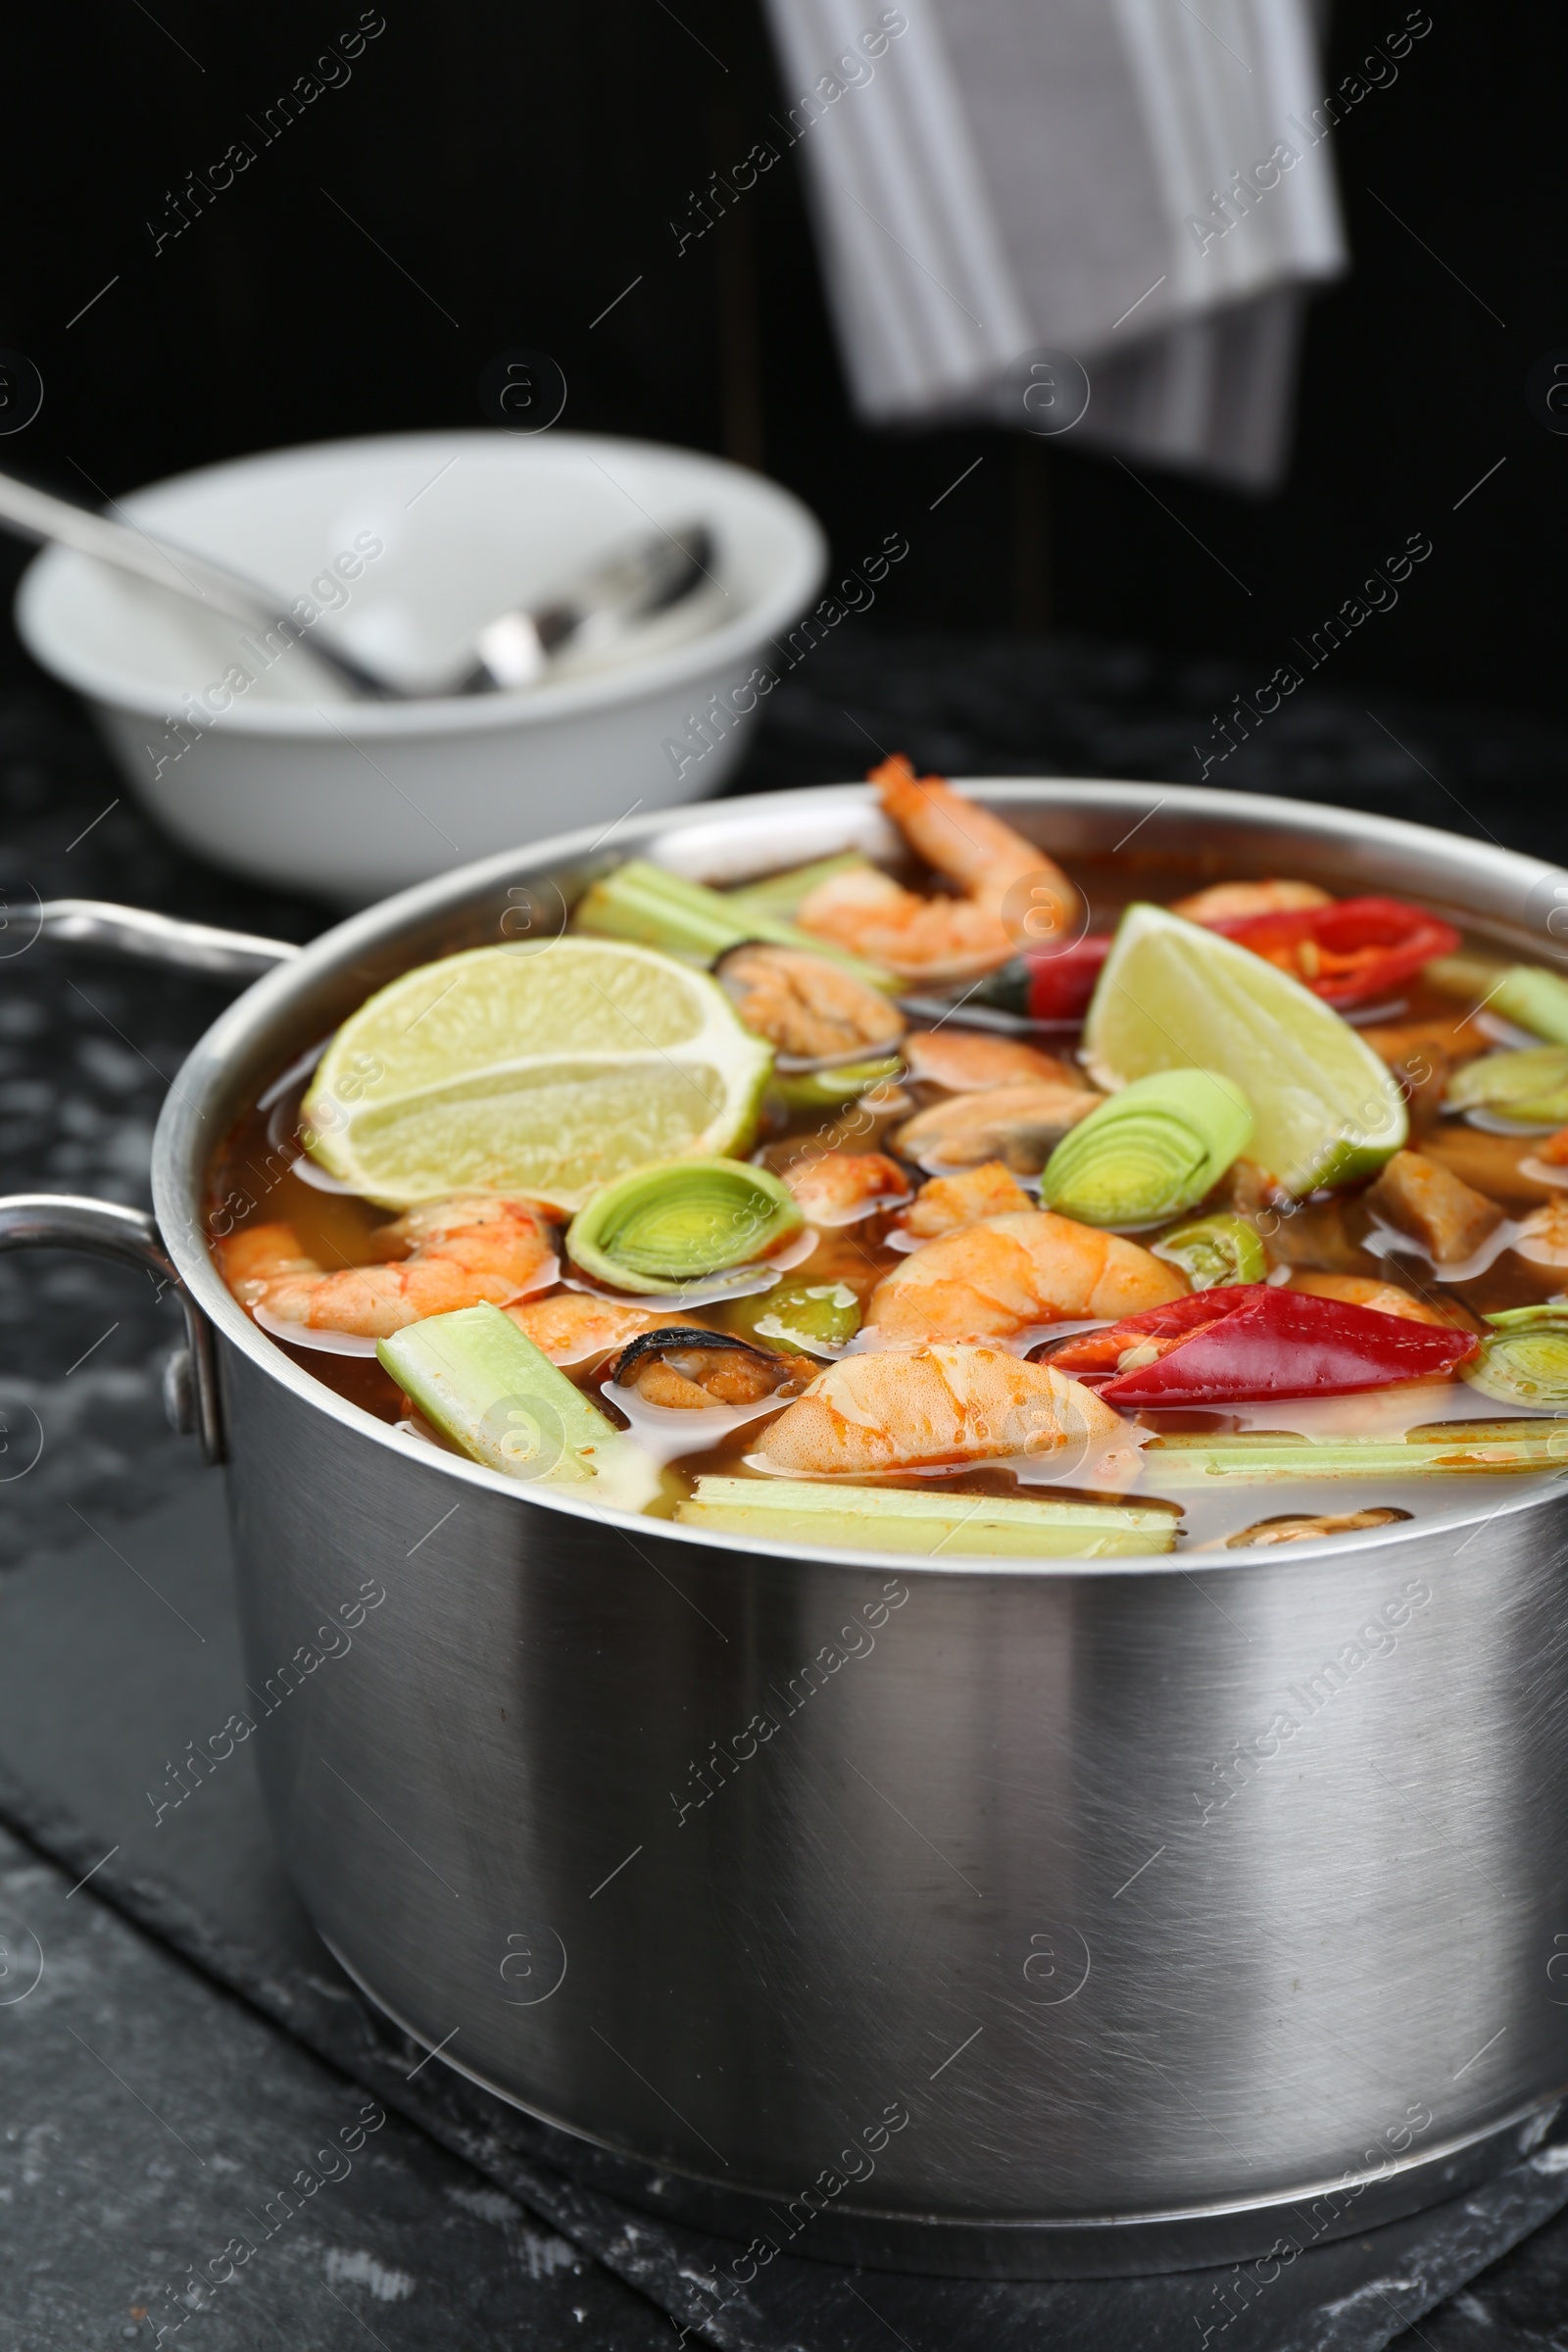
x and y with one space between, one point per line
643 903
782 895
795 1511
1269 1457
484 1384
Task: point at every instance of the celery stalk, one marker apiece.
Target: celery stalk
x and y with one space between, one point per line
484 1384
1440 1450
643 903
798 1510
782 895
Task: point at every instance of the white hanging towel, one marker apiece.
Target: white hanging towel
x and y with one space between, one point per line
1138 183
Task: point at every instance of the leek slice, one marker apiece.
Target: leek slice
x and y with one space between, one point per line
663 1227
1151 1150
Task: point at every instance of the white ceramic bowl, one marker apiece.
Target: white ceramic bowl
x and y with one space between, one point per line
251 756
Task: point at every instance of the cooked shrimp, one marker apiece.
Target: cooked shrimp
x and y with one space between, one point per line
942 938
967 1063
1553 1148
839 1188
928 1405
448 1254
1004 1274
806 1006
1543 1238
1019 1124
573 1328
1231 902
1383 1298
947 1204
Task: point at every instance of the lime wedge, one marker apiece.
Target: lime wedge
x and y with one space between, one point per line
1173 996
548 1070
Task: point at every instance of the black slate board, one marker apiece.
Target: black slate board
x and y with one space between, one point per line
118 1650
155 2131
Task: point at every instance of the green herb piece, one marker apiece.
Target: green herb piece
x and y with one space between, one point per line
796 1511
1441 1449
1525 1359
1215 1252
1151 1150
643 903
665 1225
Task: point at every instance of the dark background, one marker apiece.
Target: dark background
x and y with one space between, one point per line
521 166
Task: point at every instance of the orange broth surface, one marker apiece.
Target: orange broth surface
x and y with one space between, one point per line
253 1179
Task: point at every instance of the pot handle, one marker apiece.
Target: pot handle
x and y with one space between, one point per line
152 938
61 1221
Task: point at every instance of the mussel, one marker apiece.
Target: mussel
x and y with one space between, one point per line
668 1225
1149 1152
690 1369
808 1007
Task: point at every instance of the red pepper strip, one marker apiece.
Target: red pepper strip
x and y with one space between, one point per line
1348 951
1249 1341
1060 984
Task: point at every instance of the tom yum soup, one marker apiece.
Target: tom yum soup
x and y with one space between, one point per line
979 1209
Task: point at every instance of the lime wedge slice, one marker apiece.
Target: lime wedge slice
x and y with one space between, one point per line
1173 996
548 1070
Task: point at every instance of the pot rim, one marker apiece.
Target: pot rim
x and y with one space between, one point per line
178 1174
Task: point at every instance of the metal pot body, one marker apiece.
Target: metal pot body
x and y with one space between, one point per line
1036 1918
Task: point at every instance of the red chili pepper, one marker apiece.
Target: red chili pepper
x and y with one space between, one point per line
1062 983
1250 1341
1348 951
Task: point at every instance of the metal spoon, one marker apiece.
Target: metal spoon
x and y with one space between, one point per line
594 607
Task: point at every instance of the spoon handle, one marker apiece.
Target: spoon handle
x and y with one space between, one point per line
37 516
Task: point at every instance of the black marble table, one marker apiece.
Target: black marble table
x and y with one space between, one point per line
186 2049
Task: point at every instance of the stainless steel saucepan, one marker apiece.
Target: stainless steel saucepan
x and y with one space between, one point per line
1032 1920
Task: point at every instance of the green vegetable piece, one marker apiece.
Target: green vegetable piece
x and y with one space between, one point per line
1466 975
1525 1359
802 1318
1215 1252
1151 1150
1271 1458
663 1227
482 1383
1522 993
798 1510
821 1090
780 896
1531 1085
643 903
1535 1000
